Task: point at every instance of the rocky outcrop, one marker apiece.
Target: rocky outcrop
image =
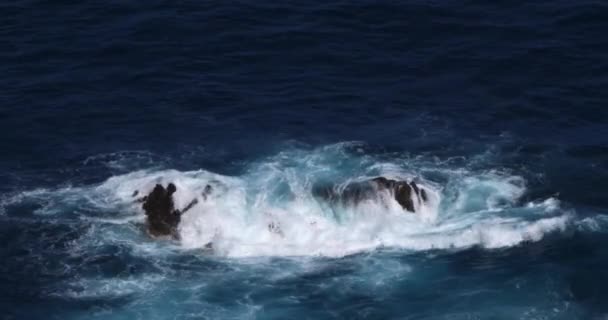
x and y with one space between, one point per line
404 192
162 217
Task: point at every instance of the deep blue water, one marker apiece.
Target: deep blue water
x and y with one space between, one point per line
499 107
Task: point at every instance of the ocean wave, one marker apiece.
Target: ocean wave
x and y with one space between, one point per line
270 209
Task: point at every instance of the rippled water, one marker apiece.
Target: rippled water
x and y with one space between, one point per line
497 109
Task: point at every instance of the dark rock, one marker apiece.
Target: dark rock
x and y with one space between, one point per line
159 208
163 218
354 193
403 195
423 195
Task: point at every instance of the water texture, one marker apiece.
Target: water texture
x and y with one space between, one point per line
498 109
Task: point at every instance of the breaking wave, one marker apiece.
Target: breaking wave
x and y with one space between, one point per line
269 210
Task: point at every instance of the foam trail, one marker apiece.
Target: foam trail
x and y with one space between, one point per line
271 211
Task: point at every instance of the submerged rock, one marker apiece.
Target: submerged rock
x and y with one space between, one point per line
405 193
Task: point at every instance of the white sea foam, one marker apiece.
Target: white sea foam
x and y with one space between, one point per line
116 287
253 216
270 210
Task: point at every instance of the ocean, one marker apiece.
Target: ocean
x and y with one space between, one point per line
497 108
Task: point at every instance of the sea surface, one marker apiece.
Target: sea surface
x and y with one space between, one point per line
498 108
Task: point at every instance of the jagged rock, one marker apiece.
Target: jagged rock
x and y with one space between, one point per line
162 217
405 193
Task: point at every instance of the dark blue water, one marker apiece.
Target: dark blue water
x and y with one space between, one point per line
498 107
